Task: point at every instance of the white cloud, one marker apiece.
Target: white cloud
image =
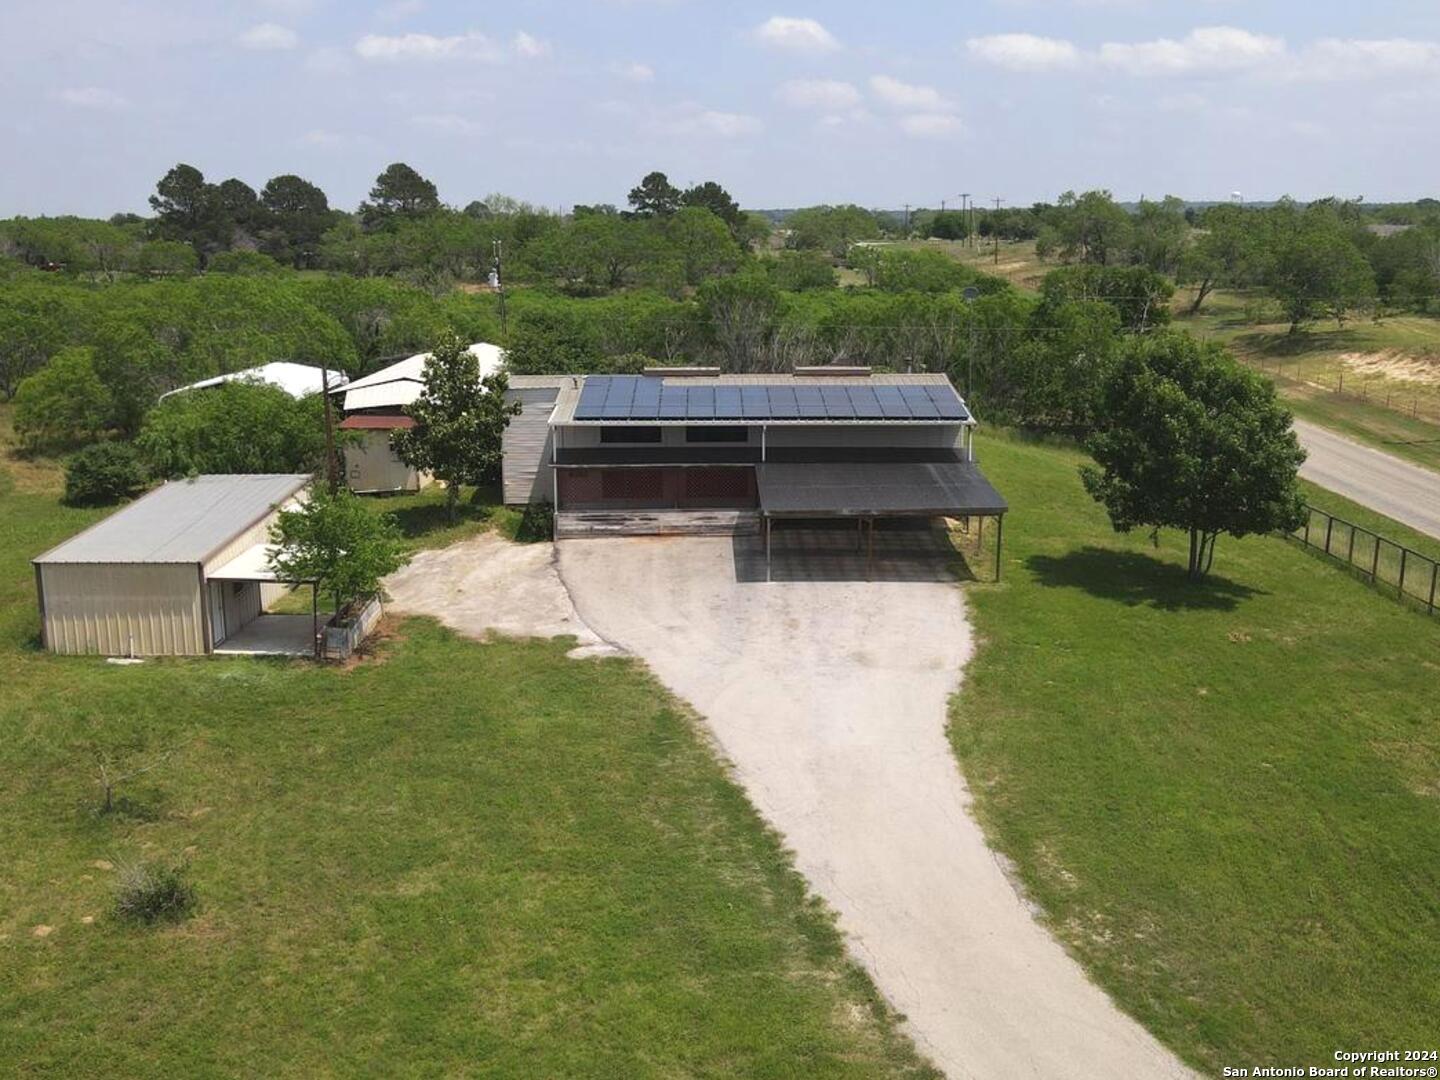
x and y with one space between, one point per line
1334 58
903 95
634 72
795 35
692 119
269 35
818 94
93 97
399 10
528 46
1205 50
1024 52
1181 103
930 125
470 46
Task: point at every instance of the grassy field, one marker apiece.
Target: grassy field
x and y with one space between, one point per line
453 858
1226 797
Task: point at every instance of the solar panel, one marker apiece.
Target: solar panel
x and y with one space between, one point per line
592 398
783 405
646 405
811 404
867 405
673 400
892 403
919 403
727 403
946 402
837 403
701 402
755 402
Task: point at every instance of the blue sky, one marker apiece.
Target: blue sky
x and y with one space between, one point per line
564 101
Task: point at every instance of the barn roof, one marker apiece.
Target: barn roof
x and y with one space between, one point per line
184 521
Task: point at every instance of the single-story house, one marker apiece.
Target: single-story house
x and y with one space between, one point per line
375 406
690 450
297 380
181 571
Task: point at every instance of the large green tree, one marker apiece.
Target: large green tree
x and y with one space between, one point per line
1312 266
460 421
1193 440
338 542
1221 254
296 215
400 192
65 402
1091 227
654 196
239 427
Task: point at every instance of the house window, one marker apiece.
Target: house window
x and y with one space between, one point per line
716 434
609 435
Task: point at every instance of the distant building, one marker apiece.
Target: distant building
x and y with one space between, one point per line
375 407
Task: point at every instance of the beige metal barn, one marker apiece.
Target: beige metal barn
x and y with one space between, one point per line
181 571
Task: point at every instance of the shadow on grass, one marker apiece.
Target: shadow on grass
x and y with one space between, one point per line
1136 580
426 518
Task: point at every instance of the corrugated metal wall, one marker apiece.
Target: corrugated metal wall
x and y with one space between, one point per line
259 533
148 609
525 470
371 465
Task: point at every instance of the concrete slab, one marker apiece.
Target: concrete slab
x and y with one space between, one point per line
829 694
271 635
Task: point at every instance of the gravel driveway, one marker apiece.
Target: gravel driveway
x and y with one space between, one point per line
829 696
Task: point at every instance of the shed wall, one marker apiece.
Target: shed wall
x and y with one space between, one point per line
526 475
372 466
150 609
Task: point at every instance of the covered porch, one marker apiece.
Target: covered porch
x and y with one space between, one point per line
246 627
868 492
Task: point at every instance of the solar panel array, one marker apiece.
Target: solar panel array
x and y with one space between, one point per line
640 397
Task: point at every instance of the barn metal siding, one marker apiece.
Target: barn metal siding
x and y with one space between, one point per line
526 475
258 533
120 609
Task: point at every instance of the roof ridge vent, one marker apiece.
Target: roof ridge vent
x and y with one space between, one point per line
833 371
683 372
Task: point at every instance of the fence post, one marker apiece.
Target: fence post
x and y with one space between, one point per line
1375 562
1404 551
1434 570
1350 551
1309 511
1329 528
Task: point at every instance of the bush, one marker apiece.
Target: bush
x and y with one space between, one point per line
537 523
151 893
103 474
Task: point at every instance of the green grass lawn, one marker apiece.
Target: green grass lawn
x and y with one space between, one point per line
453 858
1226 797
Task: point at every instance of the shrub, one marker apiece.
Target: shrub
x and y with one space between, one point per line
537 523
104 474
152 892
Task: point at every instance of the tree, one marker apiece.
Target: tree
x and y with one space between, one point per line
742 313
830 228
1158 234
338 542
1221 255
240 206
1193 440
711 196
702 244
798 271
459 421
654 196
239 427
102 474
1311 267
36 320
62 403
948 225
1140 296
296 215
1091 227
189 210
399 191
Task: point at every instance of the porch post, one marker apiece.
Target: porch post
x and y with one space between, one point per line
768 523
315 619
999 542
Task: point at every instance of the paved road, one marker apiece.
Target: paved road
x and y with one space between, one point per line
829 696
1386 484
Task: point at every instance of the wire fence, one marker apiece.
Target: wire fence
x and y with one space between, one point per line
1373 391
1380 560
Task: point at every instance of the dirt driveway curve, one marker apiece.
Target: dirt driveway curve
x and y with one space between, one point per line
830 699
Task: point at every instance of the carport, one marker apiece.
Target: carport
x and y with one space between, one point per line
266 634
867 491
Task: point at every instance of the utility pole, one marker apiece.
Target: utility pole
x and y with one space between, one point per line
332 478
994 233
965 216
499 283
907 219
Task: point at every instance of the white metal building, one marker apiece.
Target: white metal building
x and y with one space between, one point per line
178 572
297 380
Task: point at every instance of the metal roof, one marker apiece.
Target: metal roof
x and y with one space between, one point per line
401 383
185 521
770 399
883 489
297 380
374 422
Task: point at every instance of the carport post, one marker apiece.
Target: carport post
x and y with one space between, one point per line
870 553
315 618
999 542
768 523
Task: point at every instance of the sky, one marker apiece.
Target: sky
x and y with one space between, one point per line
784 103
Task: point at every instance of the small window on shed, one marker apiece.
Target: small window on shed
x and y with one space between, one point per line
610 435
697 433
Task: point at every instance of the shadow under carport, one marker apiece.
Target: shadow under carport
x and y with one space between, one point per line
905 549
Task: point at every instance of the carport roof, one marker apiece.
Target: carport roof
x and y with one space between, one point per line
184 521
876 489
